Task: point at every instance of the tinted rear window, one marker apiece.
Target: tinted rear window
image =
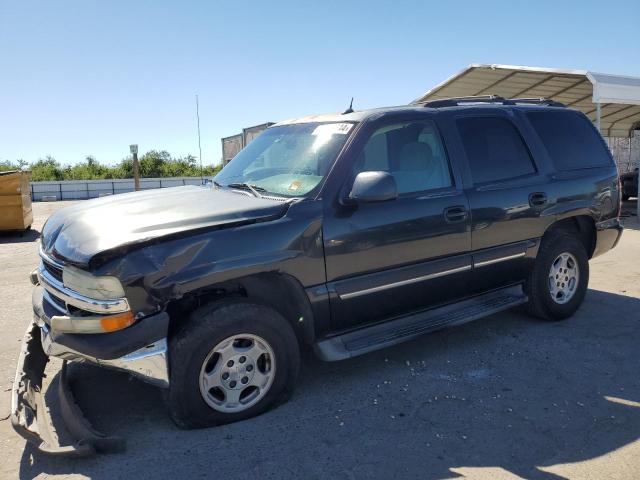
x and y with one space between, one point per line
570 140
494 148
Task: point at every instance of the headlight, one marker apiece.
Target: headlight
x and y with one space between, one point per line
100 288
93 324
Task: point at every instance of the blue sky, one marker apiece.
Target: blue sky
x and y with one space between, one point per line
88 77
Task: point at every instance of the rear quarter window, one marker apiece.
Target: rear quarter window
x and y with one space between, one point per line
570 140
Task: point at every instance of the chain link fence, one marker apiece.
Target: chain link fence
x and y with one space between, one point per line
626 151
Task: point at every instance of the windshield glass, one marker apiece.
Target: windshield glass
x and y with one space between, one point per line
287 161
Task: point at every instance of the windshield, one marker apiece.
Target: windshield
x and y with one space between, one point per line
287 161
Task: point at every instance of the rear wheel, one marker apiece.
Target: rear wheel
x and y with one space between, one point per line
558 282
229 362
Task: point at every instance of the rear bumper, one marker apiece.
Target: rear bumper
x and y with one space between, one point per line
608 234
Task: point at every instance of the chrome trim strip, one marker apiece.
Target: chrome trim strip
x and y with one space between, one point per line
57 289
49 259
404 282
497 260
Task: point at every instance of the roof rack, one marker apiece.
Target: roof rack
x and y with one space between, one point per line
456 101
537 101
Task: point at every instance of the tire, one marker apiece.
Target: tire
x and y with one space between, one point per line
625 197
190 404
538 286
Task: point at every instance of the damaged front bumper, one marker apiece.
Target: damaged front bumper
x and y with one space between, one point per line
30 416
148 363
140 349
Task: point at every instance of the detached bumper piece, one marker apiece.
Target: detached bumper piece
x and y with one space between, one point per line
30 417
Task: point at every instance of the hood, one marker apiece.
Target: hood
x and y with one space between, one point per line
79 232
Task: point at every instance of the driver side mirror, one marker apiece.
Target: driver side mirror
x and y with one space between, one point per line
373 187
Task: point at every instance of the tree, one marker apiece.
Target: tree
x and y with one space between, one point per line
6 165
154 163
46 169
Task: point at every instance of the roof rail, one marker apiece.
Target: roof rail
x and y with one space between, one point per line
537 101
456 101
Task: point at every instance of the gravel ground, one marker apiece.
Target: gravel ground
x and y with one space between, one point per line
503 398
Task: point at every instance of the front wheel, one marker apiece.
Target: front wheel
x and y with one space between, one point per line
558 282
229 362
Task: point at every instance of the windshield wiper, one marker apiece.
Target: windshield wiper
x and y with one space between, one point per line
245 186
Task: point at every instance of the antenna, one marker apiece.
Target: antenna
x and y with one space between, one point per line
199 146
350 109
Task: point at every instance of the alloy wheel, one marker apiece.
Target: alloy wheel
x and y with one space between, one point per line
237 373
564 276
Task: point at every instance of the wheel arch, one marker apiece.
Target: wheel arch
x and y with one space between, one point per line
277 290
583 226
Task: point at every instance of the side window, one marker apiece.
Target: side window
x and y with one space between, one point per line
570 139
412 152
494 148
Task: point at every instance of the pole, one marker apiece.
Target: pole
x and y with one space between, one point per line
136 172
199 146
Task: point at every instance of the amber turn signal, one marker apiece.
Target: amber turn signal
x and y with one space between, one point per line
117 322
93 324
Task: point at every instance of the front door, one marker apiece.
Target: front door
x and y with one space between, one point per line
386 259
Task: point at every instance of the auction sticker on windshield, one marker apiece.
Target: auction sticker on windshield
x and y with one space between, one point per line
332 129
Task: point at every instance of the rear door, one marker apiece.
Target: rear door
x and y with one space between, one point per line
507 196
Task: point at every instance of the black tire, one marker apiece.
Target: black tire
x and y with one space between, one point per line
625 197
205 328
541 303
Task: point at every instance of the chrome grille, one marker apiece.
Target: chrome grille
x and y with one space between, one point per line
56 272
56 303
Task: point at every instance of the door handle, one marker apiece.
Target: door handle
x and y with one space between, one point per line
537 199
455 214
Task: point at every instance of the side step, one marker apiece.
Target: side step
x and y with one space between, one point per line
385 334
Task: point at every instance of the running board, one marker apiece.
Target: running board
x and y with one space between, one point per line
411 326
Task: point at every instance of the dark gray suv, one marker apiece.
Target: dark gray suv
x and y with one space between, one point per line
340 233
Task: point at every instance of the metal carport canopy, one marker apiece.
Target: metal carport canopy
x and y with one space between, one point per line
616 98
